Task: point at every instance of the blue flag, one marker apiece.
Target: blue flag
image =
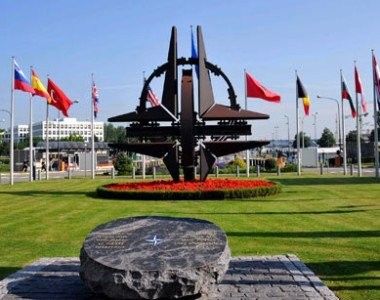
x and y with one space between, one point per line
194 53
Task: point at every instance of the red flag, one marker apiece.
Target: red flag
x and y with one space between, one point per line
60 100
256 90
359 90
376 77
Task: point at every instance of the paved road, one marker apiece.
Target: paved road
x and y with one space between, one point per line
254 277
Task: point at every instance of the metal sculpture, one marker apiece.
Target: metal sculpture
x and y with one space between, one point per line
188 141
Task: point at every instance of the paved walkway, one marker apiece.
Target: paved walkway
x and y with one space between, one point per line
253 277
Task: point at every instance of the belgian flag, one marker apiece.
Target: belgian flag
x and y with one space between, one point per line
301 93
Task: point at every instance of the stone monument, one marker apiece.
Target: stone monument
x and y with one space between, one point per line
154 258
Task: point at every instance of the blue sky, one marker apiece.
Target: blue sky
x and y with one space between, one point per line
118 40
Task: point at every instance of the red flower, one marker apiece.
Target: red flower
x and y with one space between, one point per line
209 185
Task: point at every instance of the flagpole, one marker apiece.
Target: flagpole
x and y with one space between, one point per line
143 157
375 119
92 130
358 131
30 133
47 139
297 129
11 146
343 128
246 137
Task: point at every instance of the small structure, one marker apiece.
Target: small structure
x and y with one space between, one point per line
313 156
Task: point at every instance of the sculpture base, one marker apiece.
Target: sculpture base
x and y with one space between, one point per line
154 257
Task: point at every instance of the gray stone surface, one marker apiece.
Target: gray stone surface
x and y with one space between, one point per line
254 277
154 258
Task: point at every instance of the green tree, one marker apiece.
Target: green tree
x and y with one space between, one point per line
306 139
73 138
114 134
327 139
351 136
123 164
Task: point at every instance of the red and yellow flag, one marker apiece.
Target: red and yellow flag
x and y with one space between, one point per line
39 88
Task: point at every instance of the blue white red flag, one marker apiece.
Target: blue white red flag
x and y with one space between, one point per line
20 81
95 99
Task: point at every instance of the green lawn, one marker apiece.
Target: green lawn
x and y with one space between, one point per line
331 223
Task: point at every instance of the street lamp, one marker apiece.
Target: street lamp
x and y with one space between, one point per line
315 126
338 104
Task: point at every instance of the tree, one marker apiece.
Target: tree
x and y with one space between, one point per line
73 138
351 136
327 139
114 134
307 140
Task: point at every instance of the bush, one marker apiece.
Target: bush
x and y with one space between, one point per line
270 164
123 164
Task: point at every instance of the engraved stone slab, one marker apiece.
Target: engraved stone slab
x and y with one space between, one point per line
154 257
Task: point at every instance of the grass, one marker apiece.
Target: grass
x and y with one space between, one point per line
332 223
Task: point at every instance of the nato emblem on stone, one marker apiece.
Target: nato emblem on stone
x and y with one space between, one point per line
189 141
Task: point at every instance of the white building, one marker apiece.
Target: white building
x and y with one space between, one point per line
59 129
64 127
20 132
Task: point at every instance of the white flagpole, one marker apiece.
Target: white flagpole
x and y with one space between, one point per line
47 139
31 160
375 120
358 131
143 156
246 137
297 129
11 146
343 128
92 130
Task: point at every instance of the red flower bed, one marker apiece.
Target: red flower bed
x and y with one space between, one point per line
208 185
187 190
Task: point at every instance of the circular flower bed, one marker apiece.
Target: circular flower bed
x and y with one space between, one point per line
186 190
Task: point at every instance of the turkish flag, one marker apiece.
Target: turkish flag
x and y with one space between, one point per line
59 99
256 90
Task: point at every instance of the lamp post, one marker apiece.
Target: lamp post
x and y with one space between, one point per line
10 144
339 116
287 123
315 126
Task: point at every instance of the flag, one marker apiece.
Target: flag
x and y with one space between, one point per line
194 53
359 90
301 92
95 99
152 98
59 99
20 81
39 88
193 49
376 78
256 90
346 95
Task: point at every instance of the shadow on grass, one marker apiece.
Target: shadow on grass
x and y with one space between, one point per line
306 234
41 192
318 212
326 180
340 270
6 271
